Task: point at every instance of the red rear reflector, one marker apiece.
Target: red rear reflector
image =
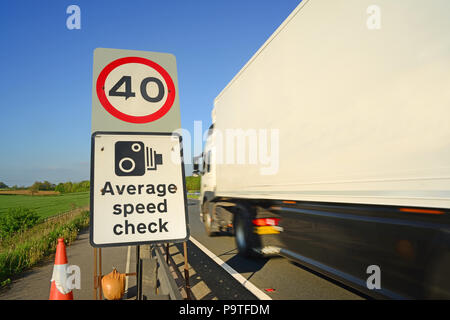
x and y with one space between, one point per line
266 222
290 202
414 210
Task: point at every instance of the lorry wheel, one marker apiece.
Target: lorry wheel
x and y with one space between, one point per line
438 281
207 221
246 239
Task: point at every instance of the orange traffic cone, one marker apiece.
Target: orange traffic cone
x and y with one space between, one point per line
58 289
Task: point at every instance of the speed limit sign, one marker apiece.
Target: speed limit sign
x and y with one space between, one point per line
134 91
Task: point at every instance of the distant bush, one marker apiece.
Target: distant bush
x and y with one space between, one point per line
45 186
63 187
192 183
17 219
69 187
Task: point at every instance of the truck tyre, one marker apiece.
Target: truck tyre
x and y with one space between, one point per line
208 224
438 280
246 239
207 220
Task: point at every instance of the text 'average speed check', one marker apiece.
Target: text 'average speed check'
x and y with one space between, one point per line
127 209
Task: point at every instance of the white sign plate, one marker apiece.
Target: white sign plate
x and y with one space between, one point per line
138 193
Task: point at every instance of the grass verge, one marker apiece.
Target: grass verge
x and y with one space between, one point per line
45 206
24 249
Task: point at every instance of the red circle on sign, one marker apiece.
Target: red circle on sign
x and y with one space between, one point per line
126 117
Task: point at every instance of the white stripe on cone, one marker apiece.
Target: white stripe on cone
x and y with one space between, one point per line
60 277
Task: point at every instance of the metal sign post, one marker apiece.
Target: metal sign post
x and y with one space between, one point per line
186 272
98 293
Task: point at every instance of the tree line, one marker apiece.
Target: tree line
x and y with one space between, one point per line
192 184
63 187
68 187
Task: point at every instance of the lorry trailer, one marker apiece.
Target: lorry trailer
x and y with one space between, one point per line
331 146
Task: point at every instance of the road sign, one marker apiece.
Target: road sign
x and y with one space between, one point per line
138 193
134 91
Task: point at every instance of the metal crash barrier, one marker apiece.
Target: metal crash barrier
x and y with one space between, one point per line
156 282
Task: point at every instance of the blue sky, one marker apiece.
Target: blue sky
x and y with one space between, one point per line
46 69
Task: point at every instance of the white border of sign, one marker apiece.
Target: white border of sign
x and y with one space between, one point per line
91 223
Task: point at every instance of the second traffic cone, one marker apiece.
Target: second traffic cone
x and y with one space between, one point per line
58 289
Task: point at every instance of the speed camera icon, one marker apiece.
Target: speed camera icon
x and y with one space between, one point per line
133 158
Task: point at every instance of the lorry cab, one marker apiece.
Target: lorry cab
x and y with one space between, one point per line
207 173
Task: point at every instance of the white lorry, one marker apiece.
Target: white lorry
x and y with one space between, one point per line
331 146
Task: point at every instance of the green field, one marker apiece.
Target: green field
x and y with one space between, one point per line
192 183
45 206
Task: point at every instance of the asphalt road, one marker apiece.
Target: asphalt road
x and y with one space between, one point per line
275 278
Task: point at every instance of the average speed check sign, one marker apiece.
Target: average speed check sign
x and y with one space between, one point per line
138 192
134 91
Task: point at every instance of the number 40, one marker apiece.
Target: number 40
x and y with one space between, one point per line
129 93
